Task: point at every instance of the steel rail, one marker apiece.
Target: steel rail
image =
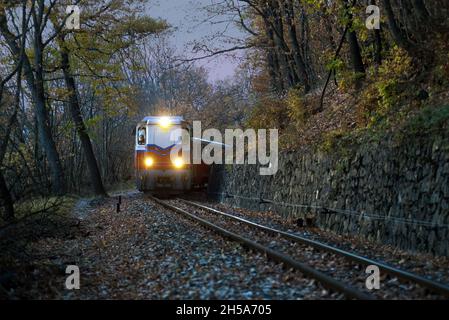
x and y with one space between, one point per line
326 280
405 275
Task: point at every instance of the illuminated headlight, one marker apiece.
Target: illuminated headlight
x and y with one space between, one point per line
178 163
164 122
149 162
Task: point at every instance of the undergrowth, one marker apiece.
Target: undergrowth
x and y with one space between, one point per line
398 100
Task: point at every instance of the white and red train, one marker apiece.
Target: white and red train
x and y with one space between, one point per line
156 169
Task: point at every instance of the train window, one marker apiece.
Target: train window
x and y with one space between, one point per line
164 138
141 136
176 135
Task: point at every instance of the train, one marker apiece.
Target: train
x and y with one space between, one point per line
156 170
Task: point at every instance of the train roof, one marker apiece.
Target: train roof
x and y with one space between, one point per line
156 120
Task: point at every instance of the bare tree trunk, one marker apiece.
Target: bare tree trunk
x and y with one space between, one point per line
274 52
395 30
6 199
5 194
36 86
305 46
378 47
354 48
298 58
45 135
274 18
77 118
377 43
337 52
273 70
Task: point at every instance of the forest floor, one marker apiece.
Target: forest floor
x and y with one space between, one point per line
147 252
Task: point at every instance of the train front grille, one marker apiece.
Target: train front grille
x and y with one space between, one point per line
164 180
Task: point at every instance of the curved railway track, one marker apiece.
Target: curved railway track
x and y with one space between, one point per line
286 253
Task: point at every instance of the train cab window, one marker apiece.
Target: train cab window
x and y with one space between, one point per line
141 136
176 135
164 138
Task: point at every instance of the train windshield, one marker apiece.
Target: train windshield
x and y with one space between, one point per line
163 137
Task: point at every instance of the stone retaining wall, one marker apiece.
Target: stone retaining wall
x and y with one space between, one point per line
389 192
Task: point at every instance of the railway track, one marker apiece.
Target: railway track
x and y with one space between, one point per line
289 249
275 255
434 286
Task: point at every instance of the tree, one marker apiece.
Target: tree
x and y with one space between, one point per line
6 197
296 50
34 75
354 47
396 31
75 111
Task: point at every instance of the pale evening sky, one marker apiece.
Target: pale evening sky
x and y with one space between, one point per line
185 16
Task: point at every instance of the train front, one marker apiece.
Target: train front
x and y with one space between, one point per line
156 170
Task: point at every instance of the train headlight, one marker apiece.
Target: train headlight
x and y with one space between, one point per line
164 122
178 163
149 162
